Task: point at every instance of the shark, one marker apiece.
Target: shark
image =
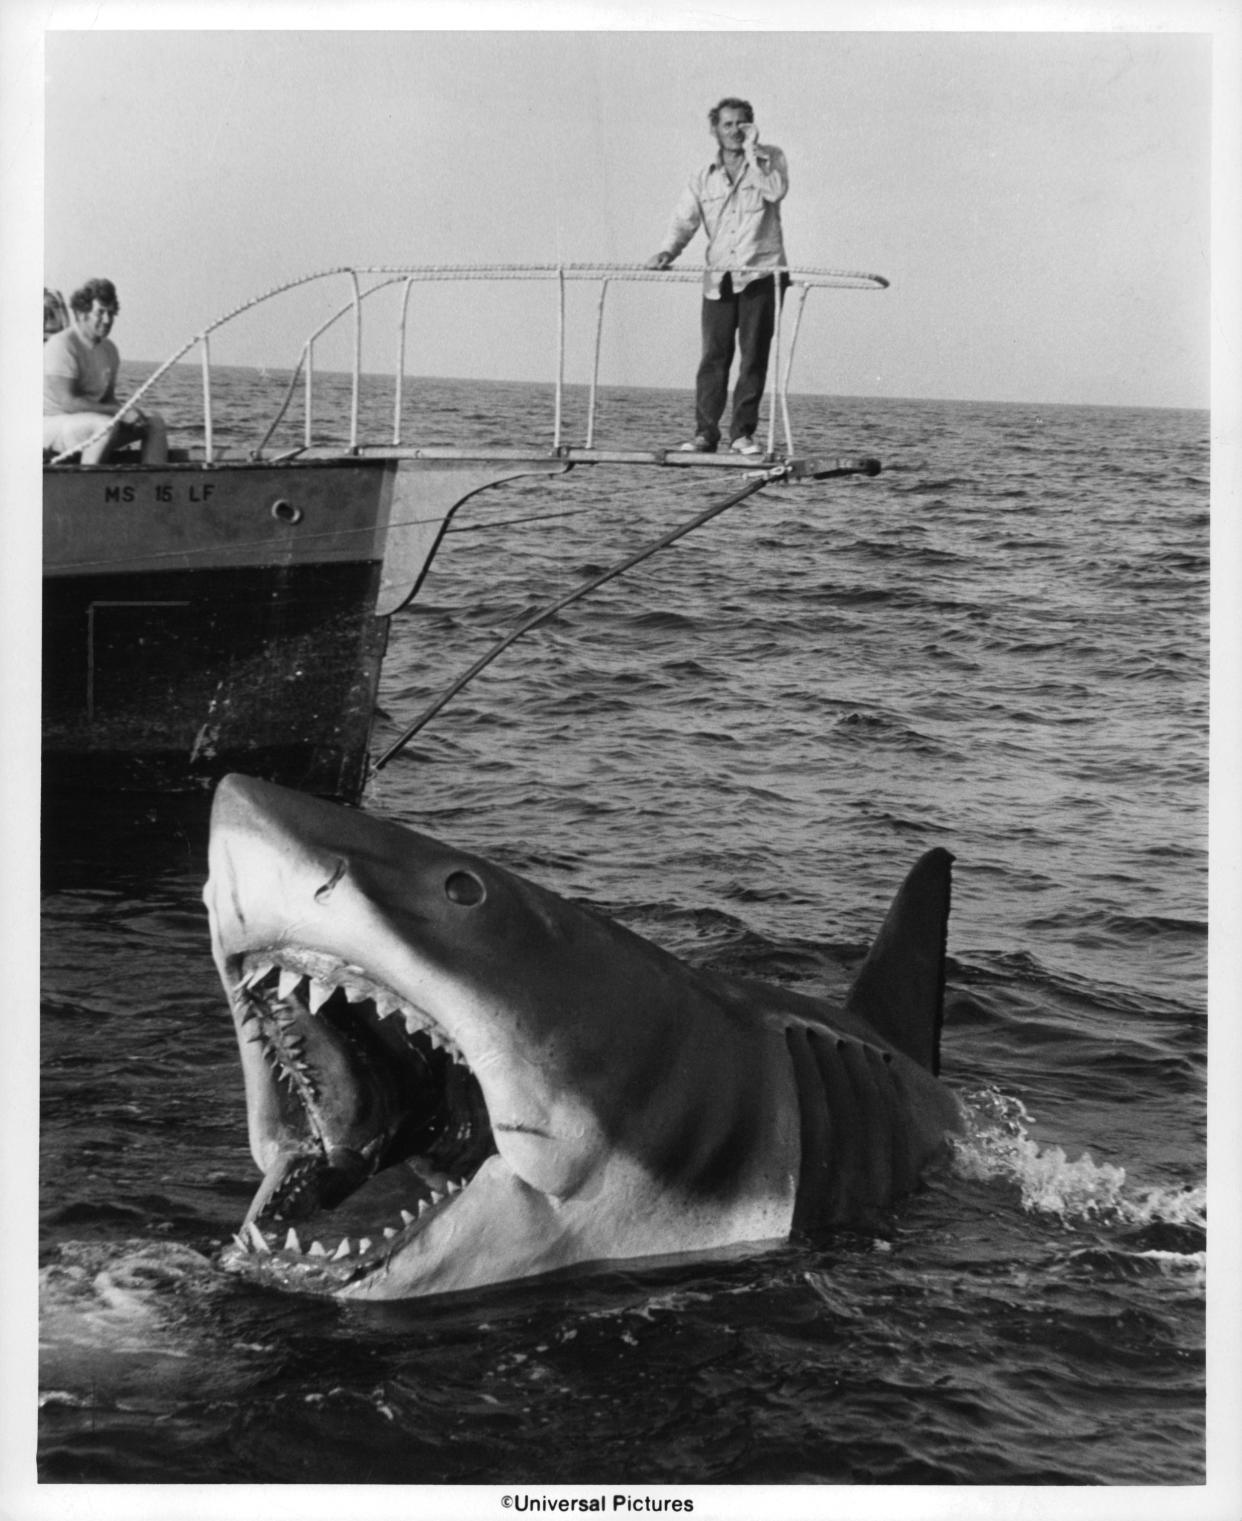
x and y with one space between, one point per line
456 1078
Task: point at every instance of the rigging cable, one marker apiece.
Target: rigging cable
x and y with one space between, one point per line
543 615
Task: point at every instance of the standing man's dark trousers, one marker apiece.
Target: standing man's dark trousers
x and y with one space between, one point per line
750 316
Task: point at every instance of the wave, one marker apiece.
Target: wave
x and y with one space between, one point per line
1122 926
664 619
932 487
1187 1270
877 728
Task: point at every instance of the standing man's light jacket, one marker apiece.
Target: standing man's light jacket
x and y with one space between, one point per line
742 220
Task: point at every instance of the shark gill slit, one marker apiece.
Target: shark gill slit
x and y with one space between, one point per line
834 1195
875 1137
908 1155
846 1160
814 1176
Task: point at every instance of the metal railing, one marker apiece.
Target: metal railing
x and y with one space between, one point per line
799 281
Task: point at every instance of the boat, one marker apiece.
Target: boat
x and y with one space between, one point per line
230 610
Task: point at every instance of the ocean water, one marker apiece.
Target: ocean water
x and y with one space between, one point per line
999 645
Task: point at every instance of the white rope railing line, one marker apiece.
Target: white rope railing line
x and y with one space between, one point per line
805 278
587 271
583 271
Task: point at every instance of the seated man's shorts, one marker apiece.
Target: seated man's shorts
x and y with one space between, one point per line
69 431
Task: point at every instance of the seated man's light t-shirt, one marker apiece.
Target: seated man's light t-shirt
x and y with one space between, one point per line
90 368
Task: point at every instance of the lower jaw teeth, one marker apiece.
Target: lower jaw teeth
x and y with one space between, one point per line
254 1241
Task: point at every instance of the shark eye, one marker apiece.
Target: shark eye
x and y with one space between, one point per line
465 888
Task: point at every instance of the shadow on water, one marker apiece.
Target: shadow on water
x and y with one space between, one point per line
124 841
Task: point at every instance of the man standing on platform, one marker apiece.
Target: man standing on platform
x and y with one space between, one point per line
736 199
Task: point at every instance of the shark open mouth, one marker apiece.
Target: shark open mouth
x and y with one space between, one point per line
371 1121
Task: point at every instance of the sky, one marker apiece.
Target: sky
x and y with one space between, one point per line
1039 201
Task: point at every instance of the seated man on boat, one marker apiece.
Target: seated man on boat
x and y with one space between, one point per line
80 365
736 199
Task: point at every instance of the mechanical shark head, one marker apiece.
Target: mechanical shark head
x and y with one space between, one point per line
456 1078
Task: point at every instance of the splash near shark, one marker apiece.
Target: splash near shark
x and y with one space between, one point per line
456 1078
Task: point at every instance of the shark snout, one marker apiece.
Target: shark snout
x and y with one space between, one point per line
268 865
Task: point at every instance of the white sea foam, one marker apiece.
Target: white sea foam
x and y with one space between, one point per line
998 1145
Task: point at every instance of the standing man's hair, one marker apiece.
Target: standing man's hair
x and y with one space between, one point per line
730 102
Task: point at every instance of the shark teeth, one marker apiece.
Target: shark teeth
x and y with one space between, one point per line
363 1252
316 985
257 973
320 992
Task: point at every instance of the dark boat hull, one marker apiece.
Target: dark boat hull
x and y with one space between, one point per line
199 620
163 682
206 618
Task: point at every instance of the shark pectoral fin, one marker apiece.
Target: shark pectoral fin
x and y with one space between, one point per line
900 989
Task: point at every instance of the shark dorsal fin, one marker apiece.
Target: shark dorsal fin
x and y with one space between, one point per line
899 989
